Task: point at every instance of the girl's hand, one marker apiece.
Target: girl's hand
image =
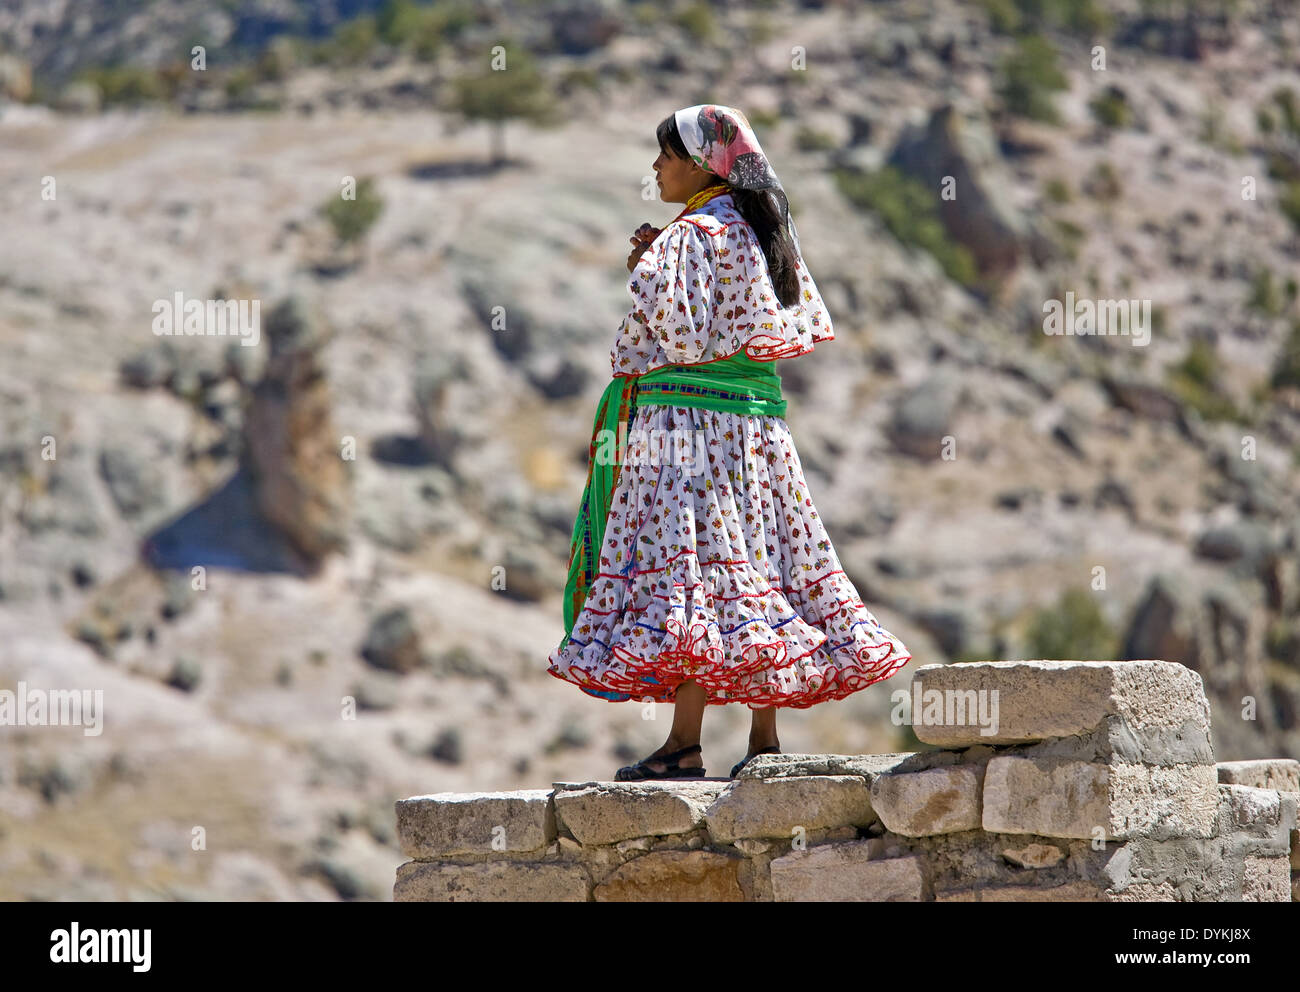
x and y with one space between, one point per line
641 239
634 256
646 233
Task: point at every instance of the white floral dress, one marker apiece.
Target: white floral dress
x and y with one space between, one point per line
724 576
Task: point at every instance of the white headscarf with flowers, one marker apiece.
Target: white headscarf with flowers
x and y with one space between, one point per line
721 140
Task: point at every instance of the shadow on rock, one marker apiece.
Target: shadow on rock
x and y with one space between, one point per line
224 531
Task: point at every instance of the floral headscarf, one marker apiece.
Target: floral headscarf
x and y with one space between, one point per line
721 140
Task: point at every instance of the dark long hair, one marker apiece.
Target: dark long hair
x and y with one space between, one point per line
759 209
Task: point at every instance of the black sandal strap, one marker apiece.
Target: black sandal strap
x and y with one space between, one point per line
643 770
666 758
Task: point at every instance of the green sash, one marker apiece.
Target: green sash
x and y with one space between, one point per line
737 384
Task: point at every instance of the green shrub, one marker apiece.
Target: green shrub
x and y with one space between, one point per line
1282 641
761 29
1110 108
399 22
352 43
276 60
1068 236
1102 183
697 21
1282 167
1214 131
127 84
1029 77
1159 321
351 219
578 77
910 210
1004 15
421 28
1057 190
1074 629
1286 371
1086 18
1284 99
1290 202
1196 382
238 83
1265 296
811 140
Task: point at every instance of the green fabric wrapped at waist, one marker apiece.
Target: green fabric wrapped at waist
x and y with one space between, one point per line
737 384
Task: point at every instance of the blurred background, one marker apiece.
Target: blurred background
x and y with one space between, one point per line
374 502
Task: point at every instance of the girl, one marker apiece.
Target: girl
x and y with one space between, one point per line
710 579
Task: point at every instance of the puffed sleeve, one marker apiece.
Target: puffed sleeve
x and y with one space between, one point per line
671 287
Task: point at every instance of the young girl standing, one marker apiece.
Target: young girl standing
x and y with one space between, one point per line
709 579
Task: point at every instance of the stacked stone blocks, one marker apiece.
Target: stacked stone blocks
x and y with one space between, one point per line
1050 781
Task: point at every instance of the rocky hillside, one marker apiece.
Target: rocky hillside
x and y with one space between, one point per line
411 428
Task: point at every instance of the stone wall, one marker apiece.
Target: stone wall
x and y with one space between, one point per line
1054 781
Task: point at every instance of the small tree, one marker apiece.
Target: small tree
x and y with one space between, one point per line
1029 78
351 219
1073 629
517 92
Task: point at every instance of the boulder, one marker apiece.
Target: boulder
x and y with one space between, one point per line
301 481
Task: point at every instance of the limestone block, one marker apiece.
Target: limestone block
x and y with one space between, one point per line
957 895
634 845
1282 774
869 766
1261 815
774 807
1195 869
608 812
675 876
1154 712
939 801
831 834
452 823
1069 892
1034 855
1056 797
1267 880
845 872
494 881
1162 891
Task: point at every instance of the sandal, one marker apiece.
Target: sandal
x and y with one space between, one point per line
634 773
741 764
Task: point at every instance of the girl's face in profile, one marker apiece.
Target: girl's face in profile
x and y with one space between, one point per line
679 178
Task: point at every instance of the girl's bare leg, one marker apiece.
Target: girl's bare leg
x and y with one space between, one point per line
688 715
762 729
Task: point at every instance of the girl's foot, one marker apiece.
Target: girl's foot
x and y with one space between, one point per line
693 760
674 764
754 750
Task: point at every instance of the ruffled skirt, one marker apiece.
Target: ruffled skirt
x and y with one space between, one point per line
720 572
